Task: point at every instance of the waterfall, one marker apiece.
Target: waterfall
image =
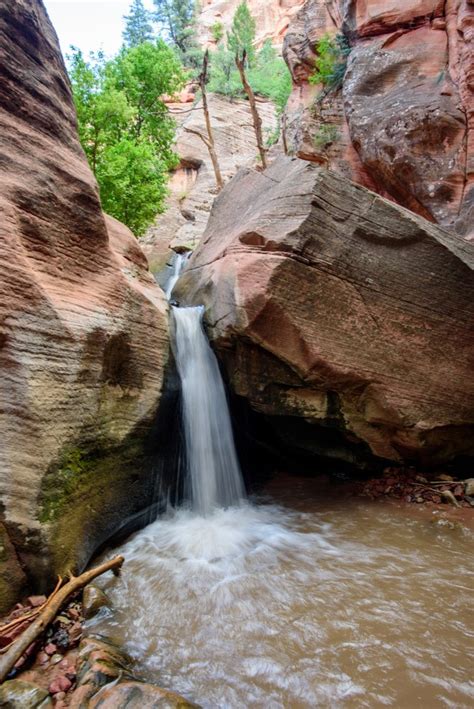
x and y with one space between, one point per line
213 471
178 267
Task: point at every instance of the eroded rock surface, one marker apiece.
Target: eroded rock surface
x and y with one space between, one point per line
338 312
402 123
83 327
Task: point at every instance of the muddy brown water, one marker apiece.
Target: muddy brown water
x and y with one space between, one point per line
305 599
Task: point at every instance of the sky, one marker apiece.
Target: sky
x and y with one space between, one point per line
89 24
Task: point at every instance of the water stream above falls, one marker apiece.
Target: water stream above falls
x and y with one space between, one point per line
301 598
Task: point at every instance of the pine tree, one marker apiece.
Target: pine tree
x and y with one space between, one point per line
177 18
138 27
241 37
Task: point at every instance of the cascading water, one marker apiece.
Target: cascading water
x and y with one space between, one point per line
179 264
213 471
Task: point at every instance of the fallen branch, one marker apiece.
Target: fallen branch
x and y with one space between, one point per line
50 610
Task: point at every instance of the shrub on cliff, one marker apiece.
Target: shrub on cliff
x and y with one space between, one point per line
124 126
331 61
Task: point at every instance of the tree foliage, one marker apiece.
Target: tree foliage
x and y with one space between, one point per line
138 26
241 37
177 20
124 126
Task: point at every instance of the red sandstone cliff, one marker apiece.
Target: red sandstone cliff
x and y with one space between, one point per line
404 118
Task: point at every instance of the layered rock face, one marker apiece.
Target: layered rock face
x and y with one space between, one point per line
193 185
402 123
83 327
345 319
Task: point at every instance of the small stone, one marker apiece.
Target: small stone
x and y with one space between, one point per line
59 684
59 696
50 649
36 601
93 599
407 498
73 613
43 658
419 499
469 487
444 477
458 491
56 658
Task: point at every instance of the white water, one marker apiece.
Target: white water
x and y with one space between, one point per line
179 264
212 469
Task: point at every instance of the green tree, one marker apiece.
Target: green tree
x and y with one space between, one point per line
270 77
132 180
125 128
217 32
177 19
138 27
241 37
145 74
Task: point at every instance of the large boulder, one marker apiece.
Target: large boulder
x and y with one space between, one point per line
402 122
346 320
83 328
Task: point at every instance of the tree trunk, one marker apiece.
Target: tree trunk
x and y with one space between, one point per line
257 121
210 144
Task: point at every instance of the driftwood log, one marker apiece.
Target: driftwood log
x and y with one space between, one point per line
49 611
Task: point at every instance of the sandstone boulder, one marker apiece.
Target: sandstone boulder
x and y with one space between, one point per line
346 320
83 327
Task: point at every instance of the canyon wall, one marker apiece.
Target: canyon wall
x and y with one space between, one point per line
83 328
402 123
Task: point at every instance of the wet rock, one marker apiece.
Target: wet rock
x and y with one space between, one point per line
137 695
16 694
93 599
105 679
299 286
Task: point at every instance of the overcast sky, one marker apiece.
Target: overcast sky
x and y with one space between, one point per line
89 24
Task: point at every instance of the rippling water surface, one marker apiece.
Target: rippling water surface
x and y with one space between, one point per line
319 602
